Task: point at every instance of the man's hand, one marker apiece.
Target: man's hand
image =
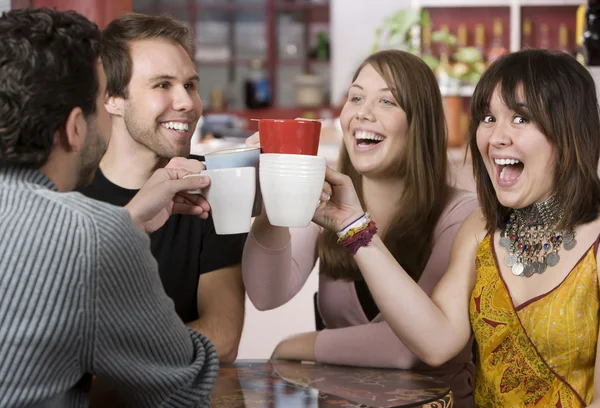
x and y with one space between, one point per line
165 193
253 140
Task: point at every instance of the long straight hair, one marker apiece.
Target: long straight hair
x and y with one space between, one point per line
422 165
560 95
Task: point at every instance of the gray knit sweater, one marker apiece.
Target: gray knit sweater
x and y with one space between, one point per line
80 295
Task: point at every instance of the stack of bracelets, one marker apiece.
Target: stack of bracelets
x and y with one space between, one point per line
357 234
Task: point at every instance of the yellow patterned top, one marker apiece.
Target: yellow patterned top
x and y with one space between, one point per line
541 353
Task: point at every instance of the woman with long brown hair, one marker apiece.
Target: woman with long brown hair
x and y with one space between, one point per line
395 152
523 272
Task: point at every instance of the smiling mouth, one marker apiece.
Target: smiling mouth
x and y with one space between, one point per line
180 127
509 170
367 139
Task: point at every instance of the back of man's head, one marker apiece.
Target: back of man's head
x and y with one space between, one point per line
48 63
117 38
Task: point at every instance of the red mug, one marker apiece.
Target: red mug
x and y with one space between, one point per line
289 136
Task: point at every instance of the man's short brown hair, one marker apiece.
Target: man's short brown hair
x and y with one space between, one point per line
122 31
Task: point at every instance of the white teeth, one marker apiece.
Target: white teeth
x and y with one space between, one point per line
179 126
504 162
502 173
361 135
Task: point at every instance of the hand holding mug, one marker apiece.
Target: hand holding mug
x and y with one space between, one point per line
339 203
165 193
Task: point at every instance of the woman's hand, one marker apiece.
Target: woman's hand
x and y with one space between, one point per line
299 347
339 204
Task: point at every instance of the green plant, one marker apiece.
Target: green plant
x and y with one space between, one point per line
398 31
395 31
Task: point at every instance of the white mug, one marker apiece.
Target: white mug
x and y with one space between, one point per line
291 190
231 196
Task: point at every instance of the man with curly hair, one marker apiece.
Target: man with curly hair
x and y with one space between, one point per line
80 294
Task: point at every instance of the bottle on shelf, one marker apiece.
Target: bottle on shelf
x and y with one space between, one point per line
448 83
461 36
579 27
322 48
443 69
217 99
497 48
527 42
591 36
414 39
257 89
424 47
563 39
480 38
460 68
591 41
426 40
544 37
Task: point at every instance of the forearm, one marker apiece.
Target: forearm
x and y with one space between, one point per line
224 333
412 315
135 218
274 276
267 274
268 235
366 345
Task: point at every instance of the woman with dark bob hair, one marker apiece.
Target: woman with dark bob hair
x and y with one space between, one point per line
523 271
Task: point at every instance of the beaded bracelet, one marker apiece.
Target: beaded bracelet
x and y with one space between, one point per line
357 234
354 223
360 239
355 226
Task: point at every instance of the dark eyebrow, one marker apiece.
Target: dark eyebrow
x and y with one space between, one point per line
193 78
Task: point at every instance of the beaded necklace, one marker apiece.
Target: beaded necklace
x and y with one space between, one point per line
532 239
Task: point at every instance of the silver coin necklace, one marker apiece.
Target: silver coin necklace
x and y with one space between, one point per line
532 239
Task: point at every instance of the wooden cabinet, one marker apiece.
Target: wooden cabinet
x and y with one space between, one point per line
231 34
99 11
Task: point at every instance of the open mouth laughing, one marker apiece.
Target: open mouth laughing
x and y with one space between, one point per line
367 140
508 171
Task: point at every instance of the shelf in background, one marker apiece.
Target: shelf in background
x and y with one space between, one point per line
465 91
551 2
297 5
210 7
496 3
281 113
222 62
300 61
230 6
301 5
246 62
463 3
